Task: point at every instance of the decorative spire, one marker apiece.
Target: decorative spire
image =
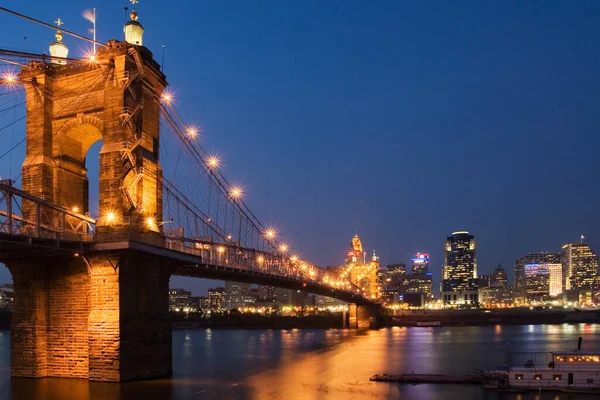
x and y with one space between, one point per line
58 48
133 29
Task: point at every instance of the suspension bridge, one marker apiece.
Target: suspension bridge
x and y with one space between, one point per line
91 282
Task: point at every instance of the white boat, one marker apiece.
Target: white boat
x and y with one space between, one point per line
568 371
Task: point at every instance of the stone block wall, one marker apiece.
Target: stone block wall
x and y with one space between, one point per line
102 317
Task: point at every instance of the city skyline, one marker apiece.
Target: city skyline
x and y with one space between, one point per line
406 101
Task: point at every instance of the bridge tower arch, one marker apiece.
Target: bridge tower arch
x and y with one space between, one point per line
70 106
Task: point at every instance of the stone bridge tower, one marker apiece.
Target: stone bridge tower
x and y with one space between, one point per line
97 311
114 97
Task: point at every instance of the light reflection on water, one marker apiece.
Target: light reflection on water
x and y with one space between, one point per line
318 364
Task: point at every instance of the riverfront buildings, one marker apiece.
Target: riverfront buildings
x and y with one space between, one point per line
237 295
531 277
362 274
216 297
459 281
580 266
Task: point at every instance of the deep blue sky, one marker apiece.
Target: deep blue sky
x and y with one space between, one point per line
404 120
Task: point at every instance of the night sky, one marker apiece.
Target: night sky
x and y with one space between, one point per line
402 120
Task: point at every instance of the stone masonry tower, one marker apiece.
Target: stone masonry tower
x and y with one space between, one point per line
100 313
116 98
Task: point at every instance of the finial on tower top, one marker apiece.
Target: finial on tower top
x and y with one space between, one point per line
58 35
58 48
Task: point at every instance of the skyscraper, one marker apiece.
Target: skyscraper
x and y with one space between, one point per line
216 297
420 280
396 274
580 266
521 281
499 278
362 274
420 264
459 284
237 294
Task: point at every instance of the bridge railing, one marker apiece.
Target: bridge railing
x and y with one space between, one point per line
22 214
233 256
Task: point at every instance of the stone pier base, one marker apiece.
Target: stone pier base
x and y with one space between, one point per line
363 317
101 317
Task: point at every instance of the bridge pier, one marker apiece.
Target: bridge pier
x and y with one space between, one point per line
363 316
102 317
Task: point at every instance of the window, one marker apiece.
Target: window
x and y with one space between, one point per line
519 377
537 377
556 377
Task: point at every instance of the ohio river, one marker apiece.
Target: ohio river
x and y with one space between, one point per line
318 364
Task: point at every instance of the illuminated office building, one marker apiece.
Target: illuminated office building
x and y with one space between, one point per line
216 297
420 264
580 266
521 283
537 278
556 279
396 274
499 277
459 283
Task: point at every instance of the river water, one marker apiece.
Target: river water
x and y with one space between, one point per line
318 364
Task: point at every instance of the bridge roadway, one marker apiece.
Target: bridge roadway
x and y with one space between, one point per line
186 261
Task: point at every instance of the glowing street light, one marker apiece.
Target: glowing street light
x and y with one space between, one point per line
75 209
150 222
110 217
192 131
213 162
294 258
221 249
236 192
167 97
283 247
9 78
270 233
260 259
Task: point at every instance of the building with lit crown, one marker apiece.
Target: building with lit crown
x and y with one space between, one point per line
459 280
361 273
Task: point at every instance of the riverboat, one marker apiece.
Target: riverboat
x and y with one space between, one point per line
575 371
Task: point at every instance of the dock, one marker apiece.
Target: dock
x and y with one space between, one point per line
428 378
